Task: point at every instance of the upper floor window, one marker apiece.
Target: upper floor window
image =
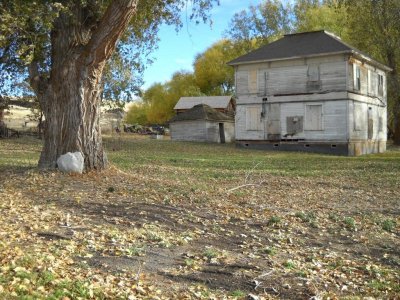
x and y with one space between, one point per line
357 78
380 85
313 72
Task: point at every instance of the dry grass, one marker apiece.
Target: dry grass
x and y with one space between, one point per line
162 223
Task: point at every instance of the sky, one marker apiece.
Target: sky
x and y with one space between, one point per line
177 51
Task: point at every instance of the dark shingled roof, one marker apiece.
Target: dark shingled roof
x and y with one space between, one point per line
201 112
298 45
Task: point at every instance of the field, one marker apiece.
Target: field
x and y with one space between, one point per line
173 220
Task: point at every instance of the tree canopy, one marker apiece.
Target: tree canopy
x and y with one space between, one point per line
63 49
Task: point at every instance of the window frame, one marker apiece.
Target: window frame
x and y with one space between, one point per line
357 78
306 122
380 85
313 69
257 121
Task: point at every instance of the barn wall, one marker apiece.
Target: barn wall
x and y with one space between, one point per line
189 131
212 129
213 134
229 132
201 131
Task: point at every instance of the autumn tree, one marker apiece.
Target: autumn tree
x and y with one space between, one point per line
330 15
212 74
160 99
374 27
137 113
63 49
261 24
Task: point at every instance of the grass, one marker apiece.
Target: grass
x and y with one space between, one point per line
218 161
388 225
173 198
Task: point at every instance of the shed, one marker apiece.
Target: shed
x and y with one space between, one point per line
202 123
311 92
224 104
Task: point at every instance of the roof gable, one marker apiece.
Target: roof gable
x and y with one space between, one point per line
298 45
201 112
212 101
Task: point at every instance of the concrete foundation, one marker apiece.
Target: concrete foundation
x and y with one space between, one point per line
335 148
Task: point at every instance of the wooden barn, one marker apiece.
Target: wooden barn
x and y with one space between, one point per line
202 123
224 104
311 92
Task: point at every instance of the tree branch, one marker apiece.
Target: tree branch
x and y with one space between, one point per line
112 25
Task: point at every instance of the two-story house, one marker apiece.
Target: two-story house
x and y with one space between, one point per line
311 92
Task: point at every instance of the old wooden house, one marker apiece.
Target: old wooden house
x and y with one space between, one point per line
224 104
311 92
202 123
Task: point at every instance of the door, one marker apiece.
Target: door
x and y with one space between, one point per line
272 122
370 124
221 133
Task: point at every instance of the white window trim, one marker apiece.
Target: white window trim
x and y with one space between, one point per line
357 67
257 121
322 116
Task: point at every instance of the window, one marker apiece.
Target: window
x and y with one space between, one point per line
253 118
253 81
242 82
313 117
360 116
357 78
313 72
380 124
380 85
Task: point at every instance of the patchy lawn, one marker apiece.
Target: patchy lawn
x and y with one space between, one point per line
175 220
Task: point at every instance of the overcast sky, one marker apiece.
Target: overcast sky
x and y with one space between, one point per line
176 51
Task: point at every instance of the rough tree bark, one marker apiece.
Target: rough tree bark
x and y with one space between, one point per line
70 97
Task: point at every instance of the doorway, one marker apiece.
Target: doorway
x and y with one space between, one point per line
221 133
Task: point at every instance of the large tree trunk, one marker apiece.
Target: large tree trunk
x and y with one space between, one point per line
70 98
72 111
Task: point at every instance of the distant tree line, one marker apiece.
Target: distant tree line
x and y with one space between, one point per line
370 25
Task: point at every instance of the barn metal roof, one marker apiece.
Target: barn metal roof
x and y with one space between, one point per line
201 112
212 101
305 44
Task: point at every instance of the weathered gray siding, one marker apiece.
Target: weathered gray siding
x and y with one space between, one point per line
201 131
369 80
213 134
189 131
364 117
229 132
241 132
313 99
294 76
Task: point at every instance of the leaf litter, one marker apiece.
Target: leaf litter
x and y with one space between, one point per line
162 231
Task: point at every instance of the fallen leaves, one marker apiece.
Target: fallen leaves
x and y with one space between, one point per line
169 230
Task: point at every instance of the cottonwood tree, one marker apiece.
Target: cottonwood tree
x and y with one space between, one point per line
212 74
374 27
261 24
63 48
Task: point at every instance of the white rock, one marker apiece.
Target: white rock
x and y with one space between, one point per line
71 162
